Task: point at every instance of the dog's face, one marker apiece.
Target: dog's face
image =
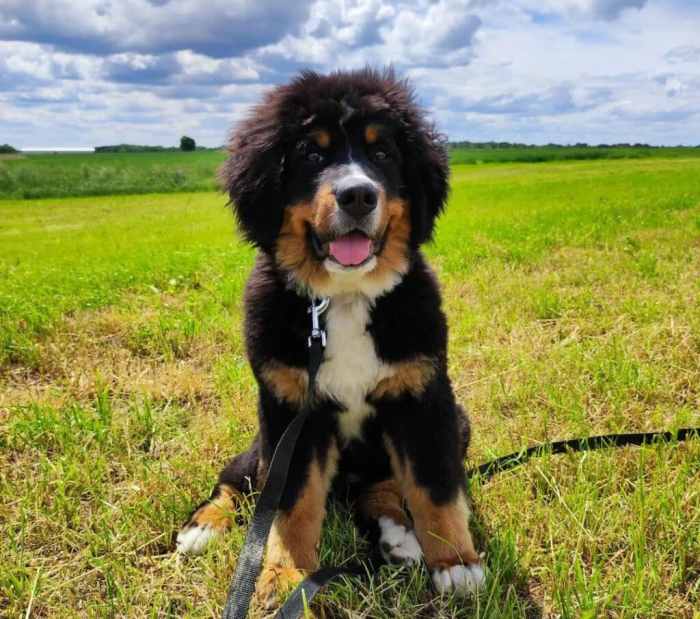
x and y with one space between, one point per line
338 178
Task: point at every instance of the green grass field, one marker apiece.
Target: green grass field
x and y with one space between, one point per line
539 154
573 294
98 174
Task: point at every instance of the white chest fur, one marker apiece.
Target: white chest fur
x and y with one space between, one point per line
350 369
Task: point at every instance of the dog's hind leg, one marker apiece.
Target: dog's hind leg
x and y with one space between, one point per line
382 505
218 512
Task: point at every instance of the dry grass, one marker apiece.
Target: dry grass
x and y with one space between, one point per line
572 293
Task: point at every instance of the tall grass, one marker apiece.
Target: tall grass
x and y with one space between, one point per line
97 174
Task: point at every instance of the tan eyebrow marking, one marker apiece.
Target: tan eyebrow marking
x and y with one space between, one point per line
322 137
372 133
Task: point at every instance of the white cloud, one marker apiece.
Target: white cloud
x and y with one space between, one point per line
522 70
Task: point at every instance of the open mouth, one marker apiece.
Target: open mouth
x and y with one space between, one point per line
352 249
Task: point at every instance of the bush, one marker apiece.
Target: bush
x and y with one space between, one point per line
6 149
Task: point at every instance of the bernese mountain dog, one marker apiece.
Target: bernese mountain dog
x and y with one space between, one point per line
338 180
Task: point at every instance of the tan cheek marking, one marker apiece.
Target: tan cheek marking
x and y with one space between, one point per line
322 138
371 133
218 513
394 256
296 534
287 383
293 252
384 499
442 530
408 377
324 207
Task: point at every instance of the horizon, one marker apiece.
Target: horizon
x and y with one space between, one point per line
526 71
451 143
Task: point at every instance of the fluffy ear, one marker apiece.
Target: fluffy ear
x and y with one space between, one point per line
252 175
426 174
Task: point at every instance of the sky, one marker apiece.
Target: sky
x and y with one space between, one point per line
93 72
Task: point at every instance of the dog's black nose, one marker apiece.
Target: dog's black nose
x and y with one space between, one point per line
358 199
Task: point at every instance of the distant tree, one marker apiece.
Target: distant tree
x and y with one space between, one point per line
187 143
7 149
133 148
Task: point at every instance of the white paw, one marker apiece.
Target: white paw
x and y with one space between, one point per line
194 540
462 579
397 544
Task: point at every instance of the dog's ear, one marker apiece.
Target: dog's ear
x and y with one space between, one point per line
252 175
426 176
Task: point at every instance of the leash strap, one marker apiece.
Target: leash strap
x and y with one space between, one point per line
301 597
250 560
505 463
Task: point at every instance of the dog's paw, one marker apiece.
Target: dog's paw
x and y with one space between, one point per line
398 544
208 522
274 583
193 539
461 579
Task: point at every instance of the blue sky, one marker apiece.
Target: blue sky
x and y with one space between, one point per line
90 72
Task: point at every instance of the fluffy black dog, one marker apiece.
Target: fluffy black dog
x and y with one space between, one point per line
338 180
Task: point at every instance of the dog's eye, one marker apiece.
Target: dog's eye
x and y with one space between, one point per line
380 155
314 157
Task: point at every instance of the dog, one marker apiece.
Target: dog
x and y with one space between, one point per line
337 180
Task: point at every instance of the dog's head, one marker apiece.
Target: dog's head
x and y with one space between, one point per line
339 178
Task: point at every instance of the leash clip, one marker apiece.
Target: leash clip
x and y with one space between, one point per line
317 307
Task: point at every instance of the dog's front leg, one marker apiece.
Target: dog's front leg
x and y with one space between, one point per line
292 548
425 441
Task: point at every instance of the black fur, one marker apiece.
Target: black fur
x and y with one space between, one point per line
263 176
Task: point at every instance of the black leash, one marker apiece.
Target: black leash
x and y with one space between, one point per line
250 560
605 441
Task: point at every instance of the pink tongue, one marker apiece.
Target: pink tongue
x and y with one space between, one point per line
351 249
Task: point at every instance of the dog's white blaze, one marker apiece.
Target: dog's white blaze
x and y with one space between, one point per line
350 369
357 174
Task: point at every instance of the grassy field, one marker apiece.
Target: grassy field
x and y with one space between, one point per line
573 295
86 174
98 174
540 154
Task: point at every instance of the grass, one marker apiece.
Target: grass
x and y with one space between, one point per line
572 291
538 154
102 174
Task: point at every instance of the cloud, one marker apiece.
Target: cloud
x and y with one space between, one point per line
177 69
440 33
140 68
99 71
217 28
612 9
683 54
